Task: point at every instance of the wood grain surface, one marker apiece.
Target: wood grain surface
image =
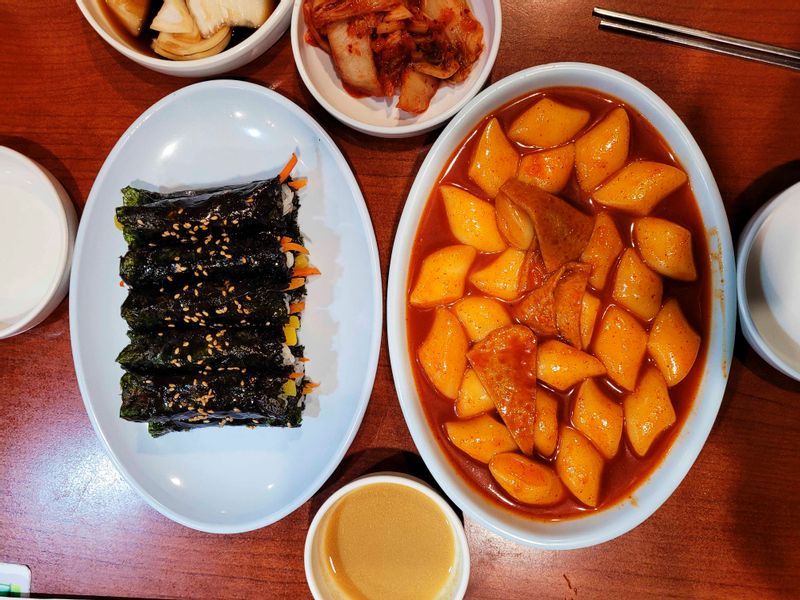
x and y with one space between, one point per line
731 528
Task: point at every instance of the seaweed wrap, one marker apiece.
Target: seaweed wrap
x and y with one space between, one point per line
259 255
216 286
185 402
211 304
190 350
189 216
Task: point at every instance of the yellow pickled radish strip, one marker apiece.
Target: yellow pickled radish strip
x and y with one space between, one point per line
290 388
290 333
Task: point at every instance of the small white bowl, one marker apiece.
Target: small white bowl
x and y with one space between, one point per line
37 232
380 116
768 282
457 586
603 525
227 60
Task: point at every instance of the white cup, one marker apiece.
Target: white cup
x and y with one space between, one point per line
317 575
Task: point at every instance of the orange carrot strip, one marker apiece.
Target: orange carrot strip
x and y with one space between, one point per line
310 387
296 283
298 184
306 272
304 359
296 375
296 307
121 284
284 174
287 244
296 248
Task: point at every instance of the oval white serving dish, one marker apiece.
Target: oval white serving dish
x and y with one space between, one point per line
37 235
232 479
381 117
232 58
606 524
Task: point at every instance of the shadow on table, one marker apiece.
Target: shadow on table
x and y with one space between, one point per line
763 403
376 460
49 161
759 192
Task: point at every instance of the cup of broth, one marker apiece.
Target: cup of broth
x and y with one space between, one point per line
386 536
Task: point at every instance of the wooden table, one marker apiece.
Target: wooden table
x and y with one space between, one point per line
731 528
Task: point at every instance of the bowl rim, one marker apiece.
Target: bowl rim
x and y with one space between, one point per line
164 64
749 328
647 497
396 478
55 196
400 130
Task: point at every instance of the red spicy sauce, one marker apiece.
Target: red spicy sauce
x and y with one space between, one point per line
625 471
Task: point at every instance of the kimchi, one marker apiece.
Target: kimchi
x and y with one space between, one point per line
391 47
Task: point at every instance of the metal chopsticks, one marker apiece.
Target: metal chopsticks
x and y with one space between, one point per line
697 38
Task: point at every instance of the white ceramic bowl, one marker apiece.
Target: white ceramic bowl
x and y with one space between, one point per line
315 577
768 282
37 233
603 525
381 117
227 60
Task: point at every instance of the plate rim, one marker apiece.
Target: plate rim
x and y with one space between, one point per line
377 299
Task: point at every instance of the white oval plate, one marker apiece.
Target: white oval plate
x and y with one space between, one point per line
233 479
380 116
600 526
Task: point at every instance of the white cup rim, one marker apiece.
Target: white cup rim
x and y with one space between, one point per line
749 328
56 197
398 479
